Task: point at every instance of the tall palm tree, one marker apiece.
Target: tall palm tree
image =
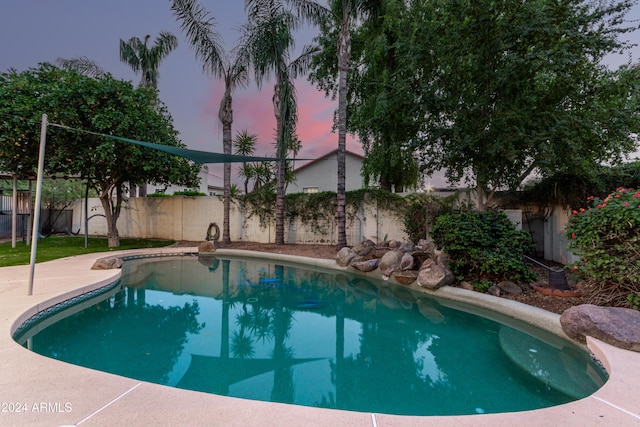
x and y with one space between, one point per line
199 26
341 14
269 41
145 59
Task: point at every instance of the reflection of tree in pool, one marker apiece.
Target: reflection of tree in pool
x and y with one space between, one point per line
119 336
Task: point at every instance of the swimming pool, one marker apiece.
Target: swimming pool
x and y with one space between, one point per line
290 334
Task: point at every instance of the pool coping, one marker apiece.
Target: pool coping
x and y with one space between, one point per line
35 390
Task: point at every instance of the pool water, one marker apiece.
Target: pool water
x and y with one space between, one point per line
285 333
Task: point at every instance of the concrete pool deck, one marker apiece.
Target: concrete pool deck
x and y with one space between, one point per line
38 391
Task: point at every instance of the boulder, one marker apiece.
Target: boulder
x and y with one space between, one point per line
407 262
405 277
619 327
494 290
435 277
509 288
390 262
109 263
206 247
344 256
426 245
364 248
365 265
365 245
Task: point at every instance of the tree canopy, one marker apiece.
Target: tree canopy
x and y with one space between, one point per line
490 92
95 106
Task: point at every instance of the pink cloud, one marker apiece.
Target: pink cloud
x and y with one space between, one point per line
253 111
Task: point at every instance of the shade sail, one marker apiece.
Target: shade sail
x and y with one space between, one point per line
197 156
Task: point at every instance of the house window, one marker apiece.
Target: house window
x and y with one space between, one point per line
310 190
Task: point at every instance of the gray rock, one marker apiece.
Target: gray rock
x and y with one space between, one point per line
435 277
427 245
407 262
494 290
390 262
344 256
365 265
364 248
509 288
619 327
109 263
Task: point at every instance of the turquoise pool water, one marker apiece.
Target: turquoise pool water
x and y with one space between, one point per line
286 333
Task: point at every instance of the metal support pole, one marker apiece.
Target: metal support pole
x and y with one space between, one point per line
14 212
36 214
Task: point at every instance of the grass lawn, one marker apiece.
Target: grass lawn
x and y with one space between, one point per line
54 247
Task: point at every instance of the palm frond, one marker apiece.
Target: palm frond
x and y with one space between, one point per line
199 26
82 65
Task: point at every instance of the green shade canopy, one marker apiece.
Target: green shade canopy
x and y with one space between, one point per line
199 157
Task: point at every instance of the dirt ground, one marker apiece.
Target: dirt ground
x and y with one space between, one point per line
530 296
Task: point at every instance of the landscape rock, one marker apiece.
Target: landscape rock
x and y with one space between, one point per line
494 290
206 247
509 288
344 256
405 277
435 277
619 327
426 245
107 264
407 262
390 262
365 265
364 248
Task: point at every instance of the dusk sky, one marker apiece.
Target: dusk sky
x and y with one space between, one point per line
33 31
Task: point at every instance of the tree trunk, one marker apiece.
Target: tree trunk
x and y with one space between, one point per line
277 93
112 213
344 56
226 117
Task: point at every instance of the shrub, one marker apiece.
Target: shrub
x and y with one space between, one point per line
483 246
189 193
606 237
422 211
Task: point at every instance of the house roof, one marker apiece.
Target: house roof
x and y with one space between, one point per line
325 156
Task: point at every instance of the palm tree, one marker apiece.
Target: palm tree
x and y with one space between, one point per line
341 14
269 41
146 60
198 26
245 145
82 65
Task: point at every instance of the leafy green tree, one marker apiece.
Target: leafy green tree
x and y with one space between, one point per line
269 37
145 59
81 109
512 88
199 26
385 108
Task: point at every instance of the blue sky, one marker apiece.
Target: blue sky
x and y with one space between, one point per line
34 31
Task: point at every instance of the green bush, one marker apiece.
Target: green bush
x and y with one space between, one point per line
483 246
606 237
422 211
189 193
